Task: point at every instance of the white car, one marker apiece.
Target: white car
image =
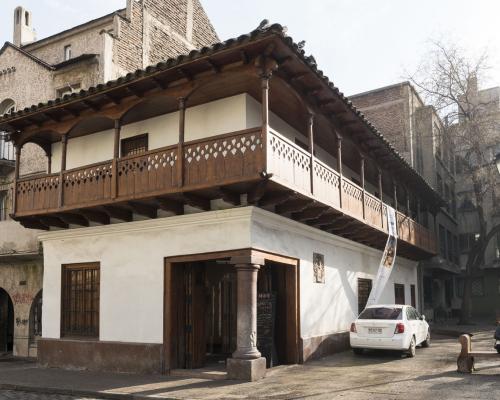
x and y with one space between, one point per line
389 327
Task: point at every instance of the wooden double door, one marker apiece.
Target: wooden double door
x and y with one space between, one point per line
204 314
201 311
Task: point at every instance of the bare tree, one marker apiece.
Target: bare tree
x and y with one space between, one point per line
448 80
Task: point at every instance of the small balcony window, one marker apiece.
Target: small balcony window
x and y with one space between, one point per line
134 145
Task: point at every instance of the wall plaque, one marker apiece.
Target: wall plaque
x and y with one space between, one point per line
319 267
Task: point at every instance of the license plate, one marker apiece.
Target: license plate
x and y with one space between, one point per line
375 331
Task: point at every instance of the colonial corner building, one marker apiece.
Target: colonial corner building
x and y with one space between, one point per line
229 203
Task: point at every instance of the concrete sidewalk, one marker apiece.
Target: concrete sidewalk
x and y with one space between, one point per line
378 375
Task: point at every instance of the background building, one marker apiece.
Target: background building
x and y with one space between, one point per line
418 133
34 71
485 296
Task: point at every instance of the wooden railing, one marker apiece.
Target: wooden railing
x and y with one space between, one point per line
148 173
290 165
212 161
223 159
207 163
87 185
38 193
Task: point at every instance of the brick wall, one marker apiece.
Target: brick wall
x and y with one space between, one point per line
388 110
127 51
203 32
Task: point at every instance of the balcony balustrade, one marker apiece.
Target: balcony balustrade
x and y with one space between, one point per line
235 158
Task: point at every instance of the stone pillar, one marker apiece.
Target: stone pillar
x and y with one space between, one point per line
246 362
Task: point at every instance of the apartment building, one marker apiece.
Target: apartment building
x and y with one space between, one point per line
419 134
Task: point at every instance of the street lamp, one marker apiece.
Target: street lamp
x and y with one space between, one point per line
497 162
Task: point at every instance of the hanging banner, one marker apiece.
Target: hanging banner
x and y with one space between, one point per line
388 258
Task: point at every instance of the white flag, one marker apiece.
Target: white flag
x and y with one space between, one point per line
388 259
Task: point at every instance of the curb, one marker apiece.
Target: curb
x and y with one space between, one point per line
77 392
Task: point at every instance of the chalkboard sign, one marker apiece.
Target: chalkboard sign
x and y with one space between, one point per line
266 313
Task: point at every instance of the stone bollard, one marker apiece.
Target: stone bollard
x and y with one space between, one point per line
465 362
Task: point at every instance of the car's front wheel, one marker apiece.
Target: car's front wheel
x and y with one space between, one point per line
413 348
357 351
427 341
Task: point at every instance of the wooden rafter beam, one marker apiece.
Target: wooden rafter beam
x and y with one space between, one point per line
196 201
244 57
143 209
53 221
170 205
185 74
118 213
115 100
73 219
275 198
51 117
257 192
73 113
158 82
33 223
293 206
137 93
213 66
95 216
298 76
230 197
91 105
309 213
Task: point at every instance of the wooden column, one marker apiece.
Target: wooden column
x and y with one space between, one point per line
310 134
16 178
180 148
408 208
419 216
381 194
362 175
64 147
395 196
339 166
116 155
264 81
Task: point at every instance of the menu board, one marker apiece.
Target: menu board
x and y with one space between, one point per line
266 313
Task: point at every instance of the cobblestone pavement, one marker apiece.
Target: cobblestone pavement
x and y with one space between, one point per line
378 375
15 395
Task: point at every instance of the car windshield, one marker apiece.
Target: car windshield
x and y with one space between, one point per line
381 313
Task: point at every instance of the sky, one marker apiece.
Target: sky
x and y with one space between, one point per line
359 44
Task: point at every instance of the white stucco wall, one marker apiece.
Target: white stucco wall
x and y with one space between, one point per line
131 257
205 120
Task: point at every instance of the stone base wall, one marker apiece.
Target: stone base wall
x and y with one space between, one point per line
140 358
317 347
22 281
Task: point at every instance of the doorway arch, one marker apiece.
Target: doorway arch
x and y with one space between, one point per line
6 322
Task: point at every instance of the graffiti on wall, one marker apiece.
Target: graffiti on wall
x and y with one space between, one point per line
22 298
21 322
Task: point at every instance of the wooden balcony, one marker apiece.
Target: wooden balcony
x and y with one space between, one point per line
272 172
